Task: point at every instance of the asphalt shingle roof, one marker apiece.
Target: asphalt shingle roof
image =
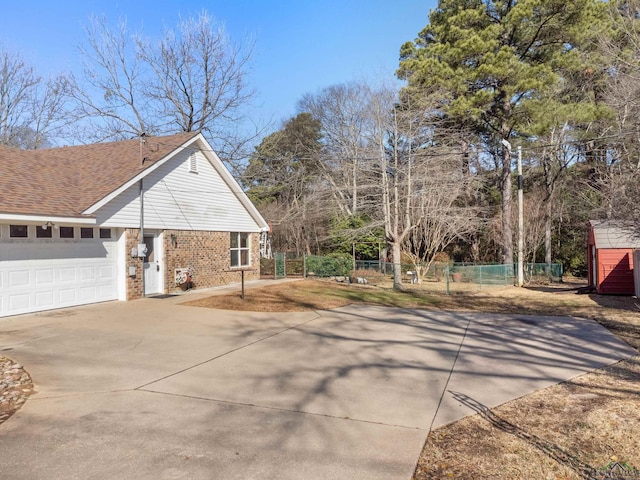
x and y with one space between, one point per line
66 181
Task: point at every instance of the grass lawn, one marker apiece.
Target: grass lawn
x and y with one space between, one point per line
559 433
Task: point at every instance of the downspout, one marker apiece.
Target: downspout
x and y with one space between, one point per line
142 233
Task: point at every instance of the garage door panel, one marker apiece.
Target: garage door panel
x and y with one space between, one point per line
104 292
67 274
106 272
18 278
87 294
87 273
67 296
72 274
45 276
18 302
45 299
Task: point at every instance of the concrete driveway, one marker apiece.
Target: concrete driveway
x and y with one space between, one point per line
155 390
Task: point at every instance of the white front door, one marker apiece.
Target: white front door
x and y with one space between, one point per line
152 264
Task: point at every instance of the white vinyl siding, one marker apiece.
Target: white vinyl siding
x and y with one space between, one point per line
176 199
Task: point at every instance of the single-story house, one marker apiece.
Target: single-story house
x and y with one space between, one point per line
610 256
120 220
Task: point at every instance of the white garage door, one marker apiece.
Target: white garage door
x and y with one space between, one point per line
41 276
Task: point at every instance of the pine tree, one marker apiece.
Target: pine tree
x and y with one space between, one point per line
498 64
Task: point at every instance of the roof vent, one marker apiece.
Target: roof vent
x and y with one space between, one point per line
193 162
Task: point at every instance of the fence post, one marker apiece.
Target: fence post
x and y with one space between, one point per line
480 276
446 274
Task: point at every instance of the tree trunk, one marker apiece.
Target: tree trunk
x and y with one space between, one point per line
475 248
397 266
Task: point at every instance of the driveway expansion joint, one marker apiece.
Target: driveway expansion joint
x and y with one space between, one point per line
294 327
280 409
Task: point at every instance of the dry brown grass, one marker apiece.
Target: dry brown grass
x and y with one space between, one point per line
562 432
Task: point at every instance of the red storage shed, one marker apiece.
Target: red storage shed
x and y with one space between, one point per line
610 256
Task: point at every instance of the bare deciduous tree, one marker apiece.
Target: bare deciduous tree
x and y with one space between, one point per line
382 159
32 109
616 178
112 95
343 112
193 79
200 76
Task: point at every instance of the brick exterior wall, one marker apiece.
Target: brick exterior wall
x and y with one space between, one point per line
207 254
134 283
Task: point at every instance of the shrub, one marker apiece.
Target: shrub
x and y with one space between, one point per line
334 264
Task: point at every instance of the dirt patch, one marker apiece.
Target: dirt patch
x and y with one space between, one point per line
286 297
567 431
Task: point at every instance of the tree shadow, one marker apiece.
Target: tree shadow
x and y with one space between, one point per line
383 347
550 449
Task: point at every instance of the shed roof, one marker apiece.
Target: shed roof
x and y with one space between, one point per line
66 181
615 234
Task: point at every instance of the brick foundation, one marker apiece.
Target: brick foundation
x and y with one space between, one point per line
207 254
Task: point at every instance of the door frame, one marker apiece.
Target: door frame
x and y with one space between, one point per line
159 260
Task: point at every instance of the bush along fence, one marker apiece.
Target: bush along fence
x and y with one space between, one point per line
440 276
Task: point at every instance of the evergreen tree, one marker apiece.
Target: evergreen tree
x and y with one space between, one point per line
498 64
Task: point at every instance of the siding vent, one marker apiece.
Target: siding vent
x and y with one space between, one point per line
193 162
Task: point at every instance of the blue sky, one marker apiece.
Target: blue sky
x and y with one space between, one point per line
301 46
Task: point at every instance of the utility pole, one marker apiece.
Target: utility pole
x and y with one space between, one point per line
520 274
520 222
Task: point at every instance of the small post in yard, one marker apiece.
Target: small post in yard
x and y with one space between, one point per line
446 274
242 270
353 254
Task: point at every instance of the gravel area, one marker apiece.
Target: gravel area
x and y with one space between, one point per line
15 387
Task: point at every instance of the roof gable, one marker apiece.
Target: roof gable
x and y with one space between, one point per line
66 181
195 144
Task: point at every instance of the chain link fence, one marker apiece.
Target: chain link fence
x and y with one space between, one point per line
444 277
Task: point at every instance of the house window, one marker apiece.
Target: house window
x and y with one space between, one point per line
66 232
18 231
105 233
193 162
240 249
44 232
86 232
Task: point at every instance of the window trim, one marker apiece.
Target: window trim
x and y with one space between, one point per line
26 230
73 233
85 229
42 232
239 249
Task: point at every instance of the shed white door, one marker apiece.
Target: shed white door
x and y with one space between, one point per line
41 276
